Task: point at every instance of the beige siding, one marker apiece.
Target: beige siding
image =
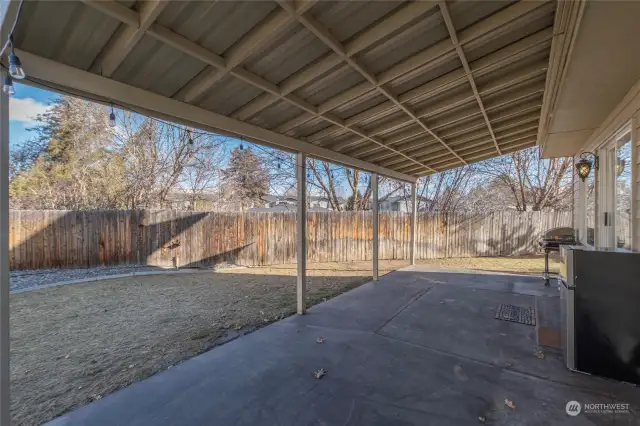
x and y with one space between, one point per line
627 110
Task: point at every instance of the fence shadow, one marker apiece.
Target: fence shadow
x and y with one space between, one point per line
68 239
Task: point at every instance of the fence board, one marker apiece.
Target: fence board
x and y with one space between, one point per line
52 239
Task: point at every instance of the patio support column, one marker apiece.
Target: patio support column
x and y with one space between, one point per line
5 418
301 230
414 210
374 208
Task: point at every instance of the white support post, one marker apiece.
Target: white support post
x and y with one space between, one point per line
301 231
635 200
414 212
5 400
374 207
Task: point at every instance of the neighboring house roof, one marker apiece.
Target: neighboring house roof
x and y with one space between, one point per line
272 198
179 195
393 199
284 208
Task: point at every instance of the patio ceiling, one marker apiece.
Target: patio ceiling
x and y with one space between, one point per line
403 89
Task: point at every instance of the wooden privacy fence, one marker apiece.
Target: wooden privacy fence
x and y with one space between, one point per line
53 239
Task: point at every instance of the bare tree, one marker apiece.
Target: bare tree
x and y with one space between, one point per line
533 183
159 158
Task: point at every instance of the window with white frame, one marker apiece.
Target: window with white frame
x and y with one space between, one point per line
623 193
590 208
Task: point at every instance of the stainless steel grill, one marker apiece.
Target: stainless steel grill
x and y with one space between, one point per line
550 241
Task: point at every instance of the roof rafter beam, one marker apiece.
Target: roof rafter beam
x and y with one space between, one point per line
509 54
454 162
450 104
167 36
252 41
91 86
394 21
324 35
127 37
470 140
444 10
259 35
506 121
443 160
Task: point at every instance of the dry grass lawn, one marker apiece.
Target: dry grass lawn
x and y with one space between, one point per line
76 343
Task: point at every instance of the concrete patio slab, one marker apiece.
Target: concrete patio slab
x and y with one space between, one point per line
394 355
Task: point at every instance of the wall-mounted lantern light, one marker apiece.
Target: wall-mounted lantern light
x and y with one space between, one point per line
583 167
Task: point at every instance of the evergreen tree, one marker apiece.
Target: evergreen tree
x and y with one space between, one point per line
69 164
245 180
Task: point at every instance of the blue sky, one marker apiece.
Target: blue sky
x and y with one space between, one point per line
27 103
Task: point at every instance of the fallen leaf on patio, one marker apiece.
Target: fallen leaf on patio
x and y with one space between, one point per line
509 403
319 374
539 354
320 339
457 370
482 419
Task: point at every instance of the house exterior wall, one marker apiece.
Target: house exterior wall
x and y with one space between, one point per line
626 113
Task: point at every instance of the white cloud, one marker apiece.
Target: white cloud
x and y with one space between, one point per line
26 110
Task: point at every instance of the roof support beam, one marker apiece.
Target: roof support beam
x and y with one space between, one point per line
126 38
489 153
8 14
512 53
94 87
374 227
184 45
396 20
444 10
301 232
479 154
478 33
257 37
462 99
324 35
421 147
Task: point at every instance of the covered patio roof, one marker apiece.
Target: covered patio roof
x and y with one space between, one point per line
400 89
403 89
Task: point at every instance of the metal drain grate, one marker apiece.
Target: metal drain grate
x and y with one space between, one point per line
520 314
